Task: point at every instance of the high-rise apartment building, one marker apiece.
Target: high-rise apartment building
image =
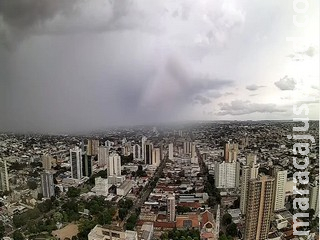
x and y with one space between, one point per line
92 147
227 174
46 161
187 147
279 189
156 156
4 178
170 149
314 197
259 208
47 184
76 163
103 156
180 133
108 143
114 165
136 150
244 142
86 165
193 150
231 151
148 146
249 171
171 208
143 142
127 149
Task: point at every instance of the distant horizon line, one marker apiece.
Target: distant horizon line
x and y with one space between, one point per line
139 125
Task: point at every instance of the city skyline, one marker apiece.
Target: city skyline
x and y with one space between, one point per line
210 181
86 65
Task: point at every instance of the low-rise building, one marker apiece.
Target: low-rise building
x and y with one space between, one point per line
111 233
125 188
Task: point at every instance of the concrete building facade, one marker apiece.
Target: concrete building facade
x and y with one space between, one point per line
76 163
227 174
259 208
114 165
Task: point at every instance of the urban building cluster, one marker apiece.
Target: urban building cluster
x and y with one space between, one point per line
208 181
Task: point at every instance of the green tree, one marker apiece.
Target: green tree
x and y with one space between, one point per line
140 172
226 219
58 217
223 237
22 219
17 235
73 192
57 191
122 213
189 234
32 226
104 217
2 230
103 174
45 206
131 222
232 230
32 184
40 196
182 209
85 227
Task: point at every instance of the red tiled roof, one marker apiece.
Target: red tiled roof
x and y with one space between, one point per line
192 217
206 217
164 224
190 204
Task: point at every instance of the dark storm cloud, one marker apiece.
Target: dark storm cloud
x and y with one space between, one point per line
68 93
202 100
80 65
193 85
19 18
28 13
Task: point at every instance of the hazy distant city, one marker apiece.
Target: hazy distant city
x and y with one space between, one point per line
159 120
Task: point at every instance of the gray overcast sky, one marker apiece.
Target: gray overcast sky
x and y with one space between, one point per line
72 65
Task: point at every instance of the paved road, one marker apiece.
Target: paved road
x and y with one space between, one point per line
146 191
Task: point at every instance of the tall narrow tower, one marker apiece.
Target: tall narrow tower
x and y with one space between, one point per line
136 149
114 165
86 165
170 151
314 197
4 178
103 156
47 184
249 171
75 162
259 208
143 141
279 188
171 208
148 146
46 161
156 156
